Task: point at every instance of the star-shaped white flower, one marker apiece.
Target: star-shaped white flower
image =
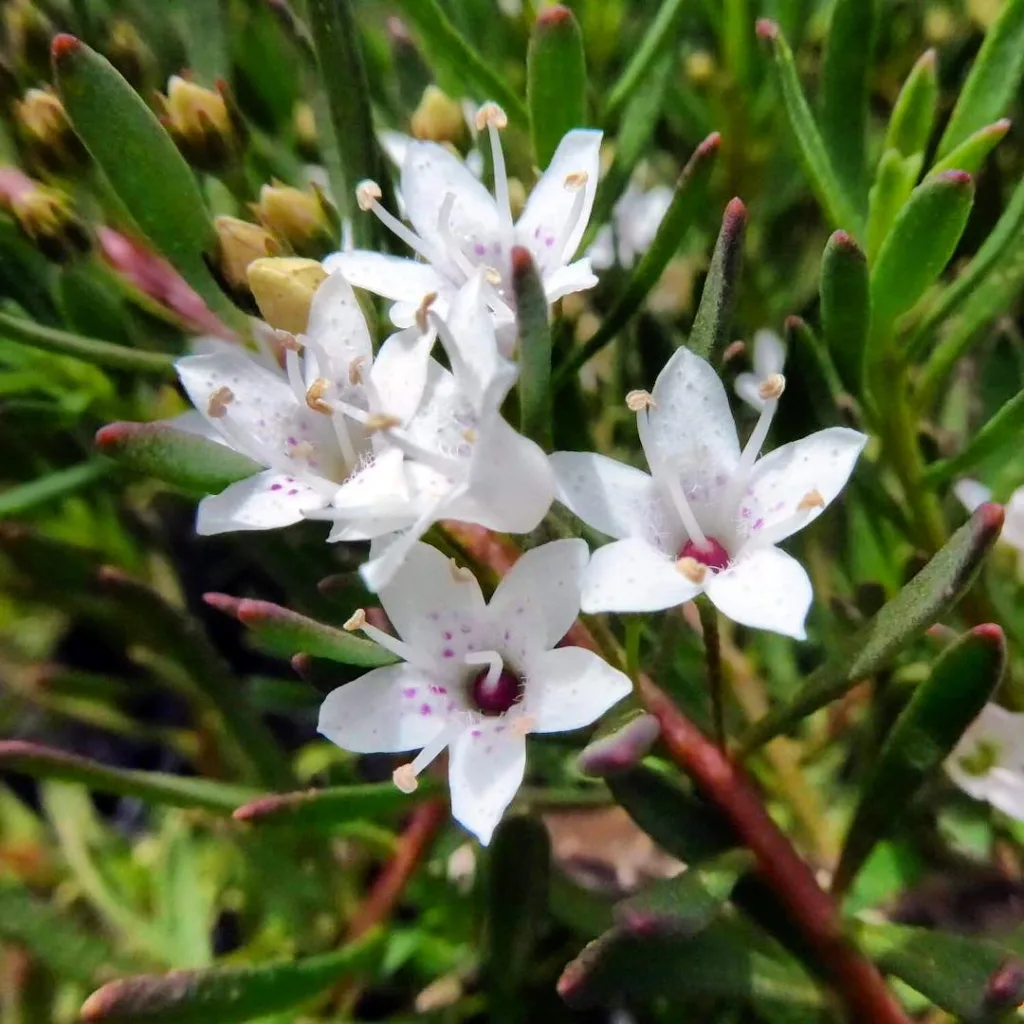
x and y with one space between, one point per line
708 517
311 425
475 677
769 359
988 762
458 227
972 494
635 221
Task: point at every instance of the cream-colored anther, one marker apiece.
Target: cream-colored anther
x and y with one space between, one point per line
404 778
422 319
523 725
459 572
288 341
490 114
315 396
693 570
812 499
772 387
638 400
367 193
470 434
219 402
302 450
378 421
492 276
356 621
575 181
355 370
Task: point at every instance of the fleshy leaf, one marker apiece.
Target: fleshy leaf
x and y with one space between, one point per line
971 153
913 116
845 304
894 181
535 399
1002 433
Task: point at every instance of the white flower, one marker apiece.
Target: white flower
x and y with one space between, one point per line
972 494
464 461
709 516
458 227
476 678
635 221
769 359
988 762
307 425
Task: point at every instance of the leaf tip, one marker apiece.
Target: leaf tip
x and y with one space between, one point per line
1005 988
99 1005
929 59
845 241
621 750
767 29
223 603
522 261
64 45
954 177
988 518
111 437
710 146
554 16
990 633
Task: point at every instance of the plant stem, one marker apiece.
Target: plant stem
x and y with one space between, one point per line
713 657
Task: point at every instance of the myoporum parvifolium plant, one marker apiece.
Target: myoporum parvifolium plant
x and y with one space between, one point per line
511 511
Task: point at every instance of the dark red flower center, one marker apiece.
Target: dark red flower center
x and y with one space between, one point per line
711 554
497 697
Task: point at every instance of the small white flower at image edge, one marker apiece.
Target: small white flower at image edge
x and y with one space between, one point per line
988 762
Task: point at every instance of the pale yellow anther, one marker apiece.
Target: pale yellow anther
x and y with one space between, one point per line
422 322
492 276
379 421
488 114
367 193
302 450
523 725
315 396
470 434
639 399
405 779
288 341
459 572
219 402
356 621
693 570
812 499
575 181
355 370
772 387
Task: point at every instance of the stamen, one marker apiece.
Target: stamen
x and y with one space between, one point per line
449 467
453 245
812 499
294 370
451 348
693 570
404 777
638 400
522 725
772 386
573 183
460 573
378 421
491 115
368 194
492 276
492 659
217 407
408 653
348 451
315 396
355 370
421 314
752 449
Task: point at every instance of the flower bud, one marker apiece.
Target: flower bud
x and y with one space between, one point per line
438 118
204 125
28 32
48 219
131 55
47 133
239 243
284 288
304 221
304 125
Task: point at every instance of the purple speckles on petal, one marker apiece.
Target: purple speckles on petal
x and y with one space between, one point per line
447 634
434 688
433 616
293 440
465 628
480 249
293 492
758 524
508 634
449 653
276 487
410 692
476 734
746 513
426 709
549 241
536 232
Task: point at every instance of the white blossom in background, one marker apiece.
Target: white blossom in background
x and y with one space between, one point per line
635 221
708 517
458 227
475 678
769 359
988 762
971 494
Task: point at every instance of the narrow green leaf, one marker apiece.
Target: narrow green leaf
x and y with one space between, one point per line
335 805
845 305
844 84
894 181
151 787
456 59
977 980
800 335
924 735
1002 433
535 398
913 116
689 902
50 487
656 41
837 205
142 164
710 331
556 80
993 78
90 350
930 594
190 461
972 152
226 995
281 631
203 29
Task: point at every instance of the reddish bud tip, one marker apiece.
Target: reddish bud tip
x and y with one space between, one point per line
110 436
64 45
989 517
990 632
267 805
735 209
1005 988
222 602
1000 127
522 261
767 29
793 323
847 243
111 574
302 665
554 16
956 178
929 58
710 145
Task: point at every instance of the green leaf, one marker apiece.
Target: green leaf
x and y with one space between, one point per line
710 332
993 79
687 202
535 398
930 594
972 152
281 631
151 787
837 205
923 736
845 305
799 335
976 980
894 181
335 805
89 350
556 80
844 84
913 116
456 59
190 461
920 244
50 487
689 902
142 164
227 994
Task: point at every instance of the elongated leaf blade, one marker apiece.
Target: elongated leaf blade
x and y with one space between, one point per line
334 805
535 397
913 116
1002 433
973 151
894 181
845 304
51 487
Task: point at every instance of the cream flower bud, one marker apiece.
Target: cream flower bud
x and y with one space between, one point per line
283 288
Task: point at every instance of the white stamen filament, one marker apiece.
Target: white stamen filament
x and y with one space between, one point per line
444 229
501 196
404 776
452 468
295 381
348 451
579 197
460 369
405 651
751 450
368 201
492 659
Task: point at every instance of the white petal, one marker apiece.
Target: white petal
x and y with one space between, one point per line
971 493
769 354
390 709
261 502
486 768
381 487
607 495
399 372
1013 527
541 592
632 576
767 589
571 687
395 145
345 531
1002 785
476 361
576 277
545 219
778 483
394 277
602 250
337 325
194 422
746 387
